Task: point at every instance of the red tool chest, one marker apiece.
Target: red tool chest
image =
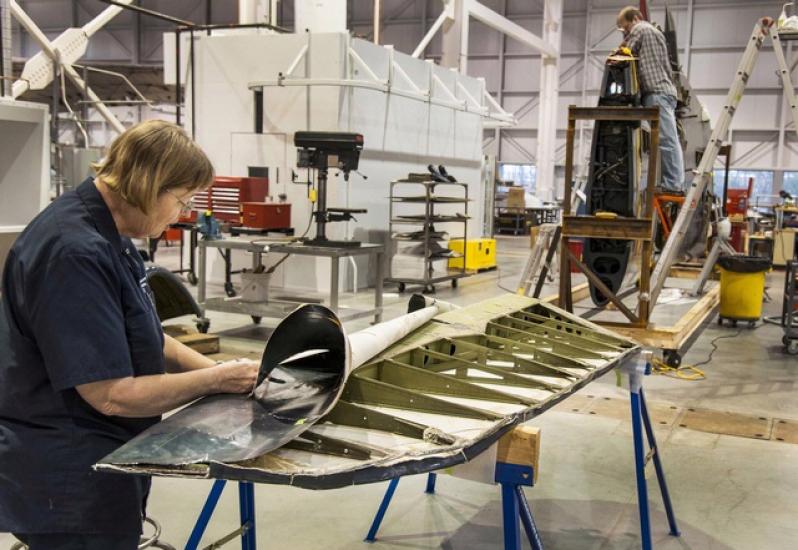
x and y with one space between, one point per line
266 215
227 194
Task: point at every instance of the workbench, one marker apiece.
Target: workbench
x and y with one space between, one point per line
279 308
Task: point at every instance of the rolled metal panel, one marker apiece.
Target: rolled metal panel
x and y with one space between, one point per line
305 365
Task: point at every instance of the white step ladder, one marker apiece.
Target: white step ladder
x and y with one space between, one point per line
784 71
541 258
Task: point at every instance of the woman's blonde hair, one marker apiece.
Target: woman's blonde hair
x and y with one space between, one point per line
151 158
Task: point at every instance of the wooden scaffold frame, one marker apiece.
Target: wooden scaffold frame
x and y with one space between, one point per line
623 228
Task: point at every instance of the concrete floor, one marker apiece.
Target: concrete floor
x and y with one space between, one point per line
728 492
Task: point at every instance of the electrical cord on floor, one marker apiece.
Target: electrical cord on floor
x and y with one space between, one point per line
714 344
691 372
684 372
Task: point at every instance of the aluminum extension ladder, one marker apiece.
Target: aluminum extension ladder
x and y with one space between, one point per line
703 174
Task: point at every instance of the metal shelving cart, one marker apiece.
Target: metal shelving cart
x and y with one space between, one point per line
518 221
435 196
789 316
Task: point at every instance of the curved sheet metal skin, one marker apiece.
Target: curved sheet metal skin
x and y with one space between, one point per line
302 373
172 298
304 365
437 398
217 428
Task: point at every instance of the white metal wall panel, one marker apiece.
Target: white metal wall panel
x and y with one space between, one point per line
481 39
716 69
755 150
755 112
729 25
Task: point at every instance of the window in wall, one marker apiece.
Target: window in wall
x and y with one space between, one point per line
519 174
738 179
791 183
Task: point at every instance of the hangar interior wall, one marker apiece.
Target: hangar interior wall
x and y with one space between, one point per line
712 35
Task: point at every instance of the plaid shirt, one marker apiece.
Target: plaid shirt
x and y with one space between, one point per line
654 68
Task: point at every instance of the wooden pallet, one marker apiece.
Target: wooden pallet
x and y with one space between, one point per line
673 337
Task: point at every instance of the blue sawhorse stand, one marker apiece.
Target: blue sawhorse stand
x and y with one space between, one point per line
512 476
641 421
246 502
515 508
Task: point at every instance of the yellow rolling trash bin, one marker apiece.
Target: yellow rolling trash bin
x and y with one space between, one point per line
742 287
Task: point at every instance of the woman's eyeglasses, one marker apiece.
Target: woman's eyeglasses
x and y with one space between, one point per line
185 207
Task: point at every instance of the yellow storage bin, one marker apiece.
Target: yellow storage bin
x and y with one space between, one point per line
480 254
742 286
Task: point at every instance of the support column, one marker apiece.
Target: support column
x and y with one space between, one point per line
497 133
688 54
585 73
5 48
455 38
376 21
547 108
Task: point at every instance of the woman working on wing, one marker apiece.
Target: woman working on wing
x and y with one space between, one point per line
85 365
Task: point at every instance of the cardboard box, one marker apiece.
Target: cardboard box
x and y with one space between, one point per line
515 197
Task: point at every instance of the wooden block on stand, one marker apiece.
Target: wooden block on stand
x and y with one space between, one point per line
202 343
179 330
521 446
188 335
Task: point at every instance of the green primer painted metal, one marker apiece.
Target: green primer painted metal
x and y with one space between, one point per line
367 391
570 327
313 442
498 346
558 345
548 328
350 414
509 377
427 381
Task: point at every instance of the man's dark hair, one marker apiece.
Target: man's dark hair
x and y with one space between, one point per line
629 13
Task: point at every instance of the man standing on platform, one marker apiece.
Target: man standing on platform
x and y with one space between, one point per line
647 44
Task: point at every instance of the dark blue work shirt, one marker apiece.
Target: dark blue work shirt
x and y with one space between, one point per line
76 309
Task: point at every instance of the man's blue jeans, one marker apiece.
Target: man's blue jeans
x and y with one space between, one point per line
670 150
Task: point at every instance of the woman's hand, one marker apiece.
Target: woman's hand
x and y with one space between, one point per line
236 376
144 396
